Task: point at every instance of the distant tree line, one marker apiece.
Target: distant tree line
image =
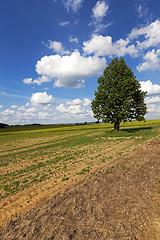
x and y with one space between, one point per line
3 125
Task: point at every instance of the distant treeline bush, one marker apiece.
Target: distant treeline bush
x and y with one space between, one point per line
3 125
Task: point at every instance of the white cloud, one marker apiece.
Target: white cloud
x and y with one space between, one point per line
153 111
41 98
72 4
7 112
75 102
103 46
151 61
57 47
61 108
73 40
140 10
44 115
75 110
13 106
72 109
150 100
3 93
41 79
70 70
29 115
1 106
63 24
150 87
75 107
101 27
69 83
151 34
151 108
87 102
31 110
38 80
27 80
143 11
100 10
22 108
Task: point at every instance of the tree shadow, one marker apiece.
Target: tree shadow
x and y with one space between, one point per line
132 130
129 131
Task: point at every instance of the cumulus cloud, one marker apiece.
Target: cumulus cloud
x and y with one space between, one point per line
150 87
38 80
75 107
72 4
13 106
87 102
151 108
100 10
103 46
151 34
61 108
70 70
75 110
42 99
72 109
158 110
26 116
27 80
41 79
69 83
74 102
65 23
1 106
31 110
3 93
7 112
73 40
153 102
151 61
22 108
101 27
56 47
150 100
44 115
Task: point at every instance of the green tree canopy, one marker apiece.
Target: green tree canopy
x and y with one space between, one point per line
119 97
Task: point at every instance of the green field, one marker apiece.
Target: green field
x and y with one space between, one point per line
32 154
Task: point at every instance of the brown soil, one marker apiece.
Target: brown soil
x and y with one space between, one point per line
121 201
94 156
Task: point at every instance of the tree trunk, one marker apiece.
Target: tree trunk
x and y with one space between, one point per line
116 127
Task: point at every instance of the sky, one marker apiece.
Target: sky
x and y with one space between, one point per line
53 51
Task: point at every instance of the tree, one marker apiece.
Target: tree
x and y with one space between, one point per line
119 97
3 125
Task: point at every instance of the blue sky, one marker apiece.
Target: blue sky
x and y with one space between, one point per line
53 51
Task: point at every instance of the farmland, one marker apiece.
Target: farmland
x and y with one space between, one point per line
37 162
